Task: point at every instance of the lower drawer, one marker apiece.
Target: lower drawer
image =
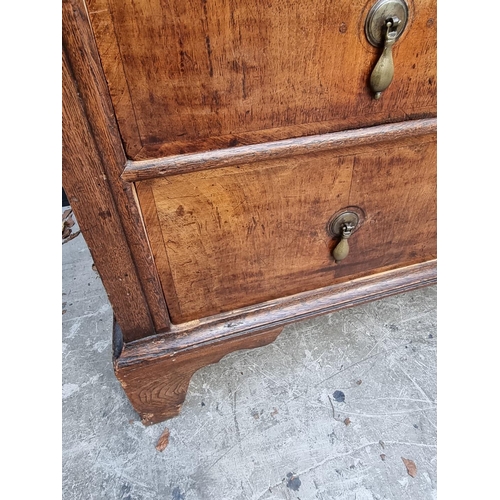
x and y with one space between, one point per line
231 237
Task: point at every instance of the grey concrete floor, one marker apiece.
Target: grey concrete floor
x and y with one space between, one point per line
260 424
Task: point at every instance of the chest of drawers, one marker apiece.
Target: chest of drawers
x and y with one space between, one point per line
232 171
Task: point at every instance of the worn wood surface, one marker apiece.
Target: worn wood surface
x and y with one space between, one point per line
86 183
280 312
155 372
189 76
241 235
111 61
157 389
87 75
238 234
396 188
354 139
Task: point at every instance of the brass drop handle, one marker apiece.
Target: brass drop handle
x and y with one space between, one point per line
344 224
383 72
341 251
385 23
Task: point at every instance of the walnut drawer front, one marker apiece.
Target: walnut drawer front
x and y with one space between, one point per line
231 237
197 76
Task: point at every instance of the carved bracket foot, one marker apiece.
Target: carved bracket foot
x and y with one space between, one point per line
157 388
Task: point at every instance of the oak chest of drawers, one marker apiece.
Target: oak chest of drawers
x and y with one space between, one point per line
236 166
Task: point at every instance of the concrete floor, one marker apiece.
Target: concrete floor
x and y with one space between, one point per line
260 424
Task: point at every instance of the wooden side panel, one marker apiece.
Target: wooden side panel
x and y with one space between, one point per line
238 236
92 95
198 75
85 182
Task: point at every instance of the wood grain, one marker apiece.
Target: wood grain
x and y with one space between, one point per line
249 124
85 182
241 235
155 372
397 190
157 389
111 61
355 139
198 75
278 312
93 94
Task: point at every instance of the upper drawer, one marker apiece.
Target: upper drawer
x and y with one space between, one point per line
196 76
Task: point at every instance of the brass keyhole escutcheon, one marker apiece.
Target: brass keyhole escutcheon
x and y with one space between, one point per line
344 224
385 23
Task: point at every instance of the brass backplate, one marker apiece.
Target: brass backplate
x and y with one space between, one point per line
353 215
375 26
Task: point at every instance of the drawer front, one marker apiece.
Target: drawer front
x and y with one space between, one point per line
232 237
197 76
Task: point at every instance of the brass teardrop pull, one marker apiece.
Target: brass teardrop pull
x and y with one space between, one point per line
385 23
383 72
341 251
344 223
